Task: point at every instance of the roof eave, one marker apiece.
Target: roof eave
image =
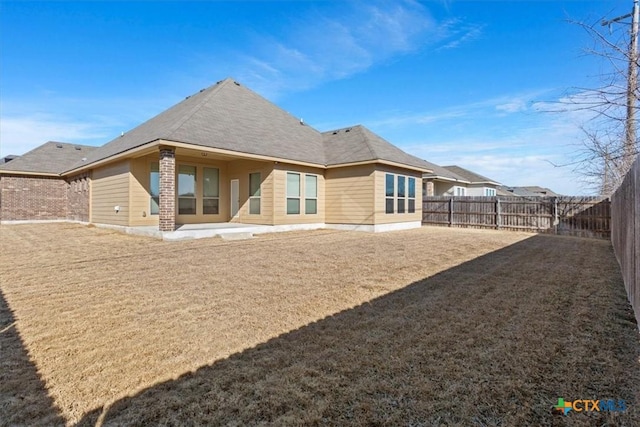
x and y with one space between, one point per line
241 154
178 144
446 178
379 161
121 155
11 172
485 182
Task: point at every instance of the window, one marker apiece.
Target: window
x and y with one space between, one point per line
210 191
401 193
310 194
459 191
489 191
254 193
293 193
390 193
186 190
154 188
412 195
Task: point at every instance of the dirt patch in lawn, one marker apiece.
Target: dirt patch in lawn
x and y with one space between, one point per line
431 326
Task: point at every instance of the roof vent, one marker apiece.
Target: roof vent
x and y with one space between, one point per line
84 159
301 121
202 90
348 130
188 97
78 148
58 145
335 132
236 83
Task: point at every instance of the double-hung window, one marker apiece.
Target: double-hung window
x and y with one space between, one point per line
401 193
293 193
390 192
489 191
210 191
412 195
310 194
186 190
254 193
154 188
459 191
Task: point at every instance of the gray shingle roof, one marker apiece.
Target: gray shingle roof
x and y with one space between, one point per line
527 191
440 172
359 144
469 175
231 117
225 116
49 158
7 159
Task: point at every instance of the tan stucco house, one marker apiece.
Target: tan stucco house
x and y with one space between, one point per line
224 154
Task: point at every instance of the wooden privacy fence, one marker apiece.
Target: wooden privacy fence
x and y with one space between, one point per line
575 216
625 233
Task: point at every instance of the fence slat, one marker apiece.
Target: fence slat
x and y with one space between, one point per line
625 233
575 216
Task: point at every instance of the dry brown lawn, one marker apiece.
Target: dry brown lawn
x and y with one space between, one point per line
423 327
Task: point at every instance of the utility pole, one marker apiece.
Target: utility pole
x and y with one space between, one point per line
632 84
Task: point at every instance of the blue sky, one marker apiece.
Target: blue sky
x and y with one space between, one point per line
453 82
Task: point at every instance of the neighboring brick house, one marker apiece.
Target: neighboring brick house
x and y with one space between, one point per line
32 187
224 154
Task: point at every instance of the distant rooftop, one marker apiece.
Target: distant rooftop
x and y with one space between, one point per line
527 191
7 159
472 177
50 158
458 174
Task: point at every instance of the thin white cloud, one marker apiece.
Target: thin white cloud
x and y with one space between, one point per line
515 106
456 33
32 120
319 47
514 103
19 134
522 151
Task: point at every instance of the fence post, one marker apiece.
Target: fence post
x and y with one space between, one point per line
498 220
450 212
555 215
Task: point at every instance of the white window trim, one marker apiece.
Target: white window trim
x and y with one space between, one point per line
286 193
403 198
151 196
304 192
177 187
208 197
415 191
256 197
463 190
395 194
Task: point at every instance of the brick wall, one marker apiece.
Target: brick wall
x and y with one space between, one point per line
167 221
32 198
78 191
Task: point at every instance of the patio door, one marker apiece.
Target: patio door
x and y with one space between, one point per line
235 197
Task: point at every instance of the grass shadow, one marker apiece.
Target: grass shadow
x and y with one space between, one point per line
23 396
494 341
